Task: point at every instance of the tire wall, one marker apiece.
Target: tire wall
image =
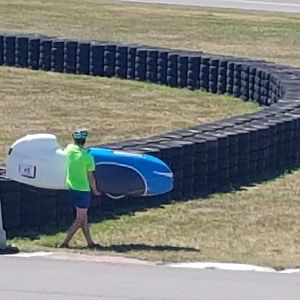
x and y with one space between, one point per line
204 158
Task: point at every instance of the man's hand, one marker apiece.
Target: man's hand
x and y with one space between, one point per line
93 184
97 192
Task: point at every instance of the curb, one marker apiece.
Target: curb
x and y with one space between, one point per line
132 261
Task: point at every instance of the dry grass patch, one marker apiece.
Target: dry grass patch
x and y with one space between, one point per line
112 109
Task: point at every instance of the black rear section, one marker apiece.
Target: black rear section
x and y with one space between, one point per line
119 180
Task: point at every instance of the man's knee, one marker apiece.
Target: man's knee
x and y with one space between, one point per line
78 222
81 217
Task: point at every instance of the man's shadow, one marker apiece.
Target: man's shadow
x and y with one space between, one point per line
122 248
9 250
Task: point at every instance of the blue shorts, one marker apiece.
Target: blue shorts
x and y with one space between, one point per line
80 199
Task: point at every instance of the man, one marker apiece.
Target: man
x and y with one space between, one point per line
80 180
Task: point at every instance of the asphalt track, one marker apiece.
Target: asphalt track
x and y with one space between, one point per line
40 278
289 6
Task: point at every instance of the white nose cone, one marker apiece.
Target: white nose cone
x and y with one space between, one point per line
37 160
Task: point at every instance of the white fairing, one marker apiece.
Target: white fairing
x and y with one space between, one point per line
37 160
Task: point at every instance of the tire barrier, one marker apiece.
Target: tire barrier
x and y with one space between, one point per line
109 60
140 64
45 54
162 64
22 207
131 56
83 58
151 67
204 158
172 69
57 56
22 51
121 61
70 56
9 50
97 60
34 53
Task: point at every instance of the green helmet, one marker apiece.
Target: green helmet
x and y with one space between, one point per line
80 134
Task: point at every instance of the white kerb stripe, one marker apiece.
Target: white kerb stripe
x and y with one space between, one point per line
30 254
231 267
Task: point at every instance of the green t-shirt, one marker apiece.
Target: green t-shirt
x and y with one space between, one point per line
79 162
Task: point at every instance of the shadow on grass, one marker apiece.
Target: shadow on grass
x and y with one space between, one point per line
133 205
104 208
254 180
9 250
122 248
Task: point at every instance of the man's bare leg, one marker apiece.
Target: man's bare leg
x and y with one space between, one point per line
86 232
78 223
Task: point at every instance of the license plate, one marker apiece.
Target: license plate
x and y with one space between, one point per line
27 170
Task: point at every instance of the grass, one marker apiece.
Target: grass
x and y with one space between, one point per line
112 109
256 225
276 36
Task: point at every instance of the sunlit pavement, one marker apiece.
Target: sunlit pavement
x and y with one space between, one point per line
64 276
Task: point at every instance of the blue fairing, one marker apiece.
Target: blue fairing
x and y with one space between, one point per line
150 175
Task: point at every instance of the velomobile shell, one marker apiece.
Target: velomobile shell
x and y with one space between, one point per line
39 160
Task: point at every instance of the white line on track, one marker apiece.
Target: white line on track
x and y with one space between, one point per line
263 3
230 267
30 254
293 6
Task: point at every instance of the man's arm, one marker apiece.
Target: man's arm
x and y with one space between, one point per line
93 184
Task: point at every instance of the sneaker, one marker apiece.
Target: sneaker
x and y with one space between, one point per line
93 246
63 245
